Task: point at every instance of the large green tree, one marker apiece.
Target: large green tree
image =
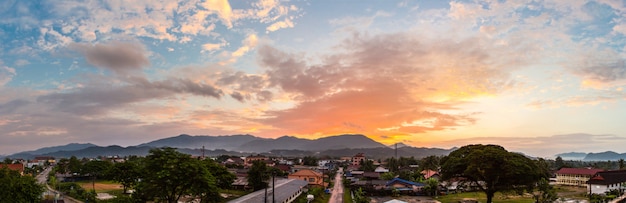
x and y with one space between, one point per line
167 175
95 169
17 188
223 177
367 165
492 168
309 161
125 173
258 175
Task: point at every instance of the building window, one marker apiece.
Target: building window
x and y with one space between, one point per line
311 180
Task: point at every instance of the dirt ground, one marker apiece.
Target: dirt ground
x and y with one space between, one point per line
101 187
409 199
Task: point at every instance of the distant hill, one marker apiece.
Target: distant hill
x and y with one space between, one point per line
604 156
386 152
399 145
243 145
47 150
572 155
321 144
230 142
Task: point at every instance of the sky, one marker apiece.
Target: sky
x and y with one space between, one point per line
537 77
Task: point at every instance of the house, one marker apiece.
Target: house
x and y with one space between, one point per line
296 168
45 159
371 175
313 178
249 159
404 186
605 181
16 167
283 167
575 176
234 161
381 169
430 174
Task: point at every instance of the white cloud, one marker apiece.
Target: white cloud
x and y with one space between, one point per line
249 43
211 47
6 74
280 25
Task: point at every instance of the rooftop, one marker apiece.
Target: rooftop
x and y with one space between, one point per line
579 171
285 188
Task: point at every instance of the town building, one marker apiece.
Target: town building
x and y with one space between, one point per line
252 158
312 177
358 158
16 167
575 176
605 181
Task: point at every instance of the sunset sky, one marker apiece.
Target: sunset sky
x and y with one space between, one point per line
538 77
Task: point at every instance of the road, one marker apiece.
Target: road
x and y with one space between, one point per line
337 194
42 179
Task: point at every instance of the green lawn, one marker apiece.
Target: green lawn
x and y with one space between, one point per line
481 197
346 195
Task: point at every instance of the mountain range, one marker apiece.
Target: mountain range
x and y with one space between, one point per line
339 145
601 156
288 146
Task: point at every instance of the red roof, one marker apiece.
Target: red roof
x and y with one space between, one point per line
579 171
429 173
15 167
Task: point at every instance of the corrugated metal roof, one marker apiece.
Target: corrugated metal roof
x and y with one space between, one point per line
284 189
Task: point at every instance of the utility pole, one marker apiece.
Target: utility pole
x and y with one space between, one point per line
273 191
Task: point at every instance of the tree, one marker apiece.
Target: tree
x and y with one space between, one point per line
168 174
74 165
359 196
393 164
431 186
431 163
7 160
491 168
559 163
545 192
309 161
621 164
367 165
258 175
125 173
223 178
17 188
387 176
94 169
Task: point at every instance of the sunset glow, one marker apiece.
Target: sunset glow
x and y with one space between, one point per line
536 77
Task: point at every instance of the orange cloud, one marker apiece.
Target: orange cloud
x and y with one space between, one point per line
394 84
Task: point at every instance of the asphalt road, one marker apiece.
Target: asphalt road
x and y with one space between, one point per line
43 177
337 194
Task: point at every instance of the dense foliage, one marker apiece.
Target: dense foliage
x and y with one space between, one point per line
167 175
17 188
491 168
164 175
258 175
